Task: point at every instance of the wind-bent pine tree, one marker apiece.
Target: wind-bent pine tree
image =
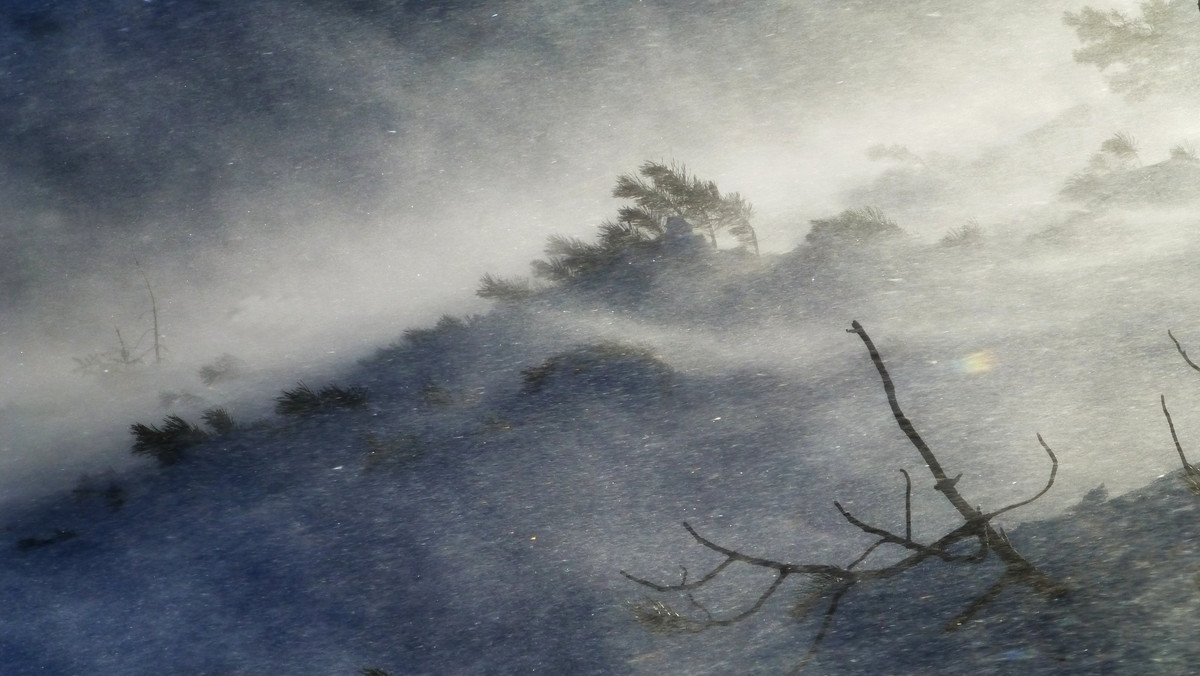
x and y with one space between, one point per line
665 190
1140 54
659 193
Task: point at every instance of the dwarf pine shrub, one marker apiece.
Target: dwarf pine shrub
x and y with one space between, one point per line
853 228
1184 152
302 401
606 366
166 444
968 235
225 367
219 420
509 290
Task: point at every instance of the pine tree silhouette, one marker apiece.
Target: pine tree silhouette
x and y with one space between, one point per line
665 190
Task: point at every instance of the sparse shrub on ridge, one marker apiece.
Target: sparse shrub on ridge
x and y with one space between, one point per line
1081 185
659 192
1184 152
297 402
219 420
853 227
500 289
895 152
608 365
170 399
1116 176
1122 147
351 397
425 338
968 235
166 444
225 367
302 401
446 325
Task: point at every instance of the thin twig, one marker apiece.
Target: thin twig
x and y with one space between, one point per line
865 554
685 585
1182 353
1049 484
754 608
789 568
907 506
154 312
691 599
978 604
943 482
886 536
1190 473
825 624
1187 466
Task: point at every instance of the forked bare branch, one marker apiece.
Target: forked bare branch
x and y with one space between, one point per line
1190 472
837 581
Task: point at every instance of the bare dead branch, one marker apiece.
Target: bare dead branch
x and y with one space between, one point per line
1190 473
826 622
978 604
1182 352
754 608
976 525
888 537
902 420
789 568
863 557
696 604
685 585
1049 484
943 482
1187 466
907 506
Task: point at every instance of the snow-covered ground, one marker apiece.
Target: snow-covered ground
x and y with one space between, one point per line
300 182
475 516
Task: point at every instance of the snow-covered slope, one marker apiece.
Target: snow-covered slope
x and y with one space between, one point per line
474 516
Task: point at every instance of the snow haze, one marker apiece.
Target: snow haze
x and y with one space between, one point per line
286 171
297 184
